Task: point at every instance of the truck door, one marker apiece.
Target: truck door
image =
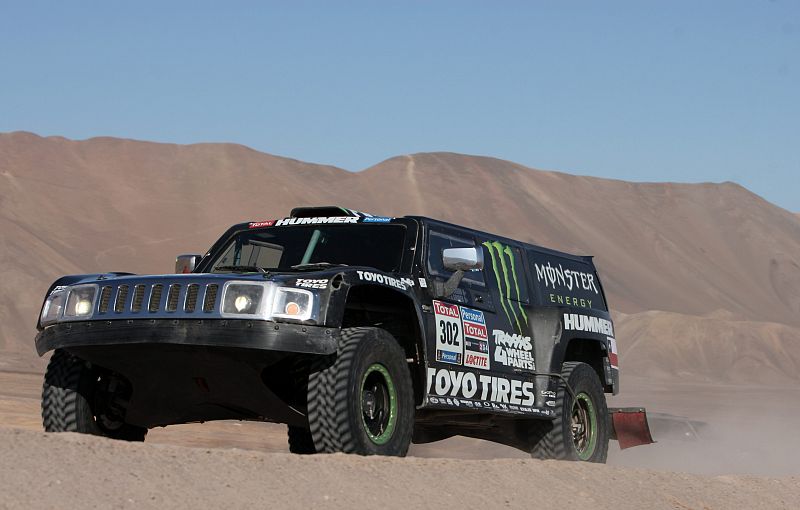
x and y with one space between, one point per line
458 326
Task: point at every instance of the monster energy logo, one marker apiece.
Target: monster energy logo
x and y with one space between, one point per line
504 256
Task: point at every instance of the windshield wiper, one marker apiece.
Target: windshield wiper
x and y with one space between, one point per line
315 265
241 269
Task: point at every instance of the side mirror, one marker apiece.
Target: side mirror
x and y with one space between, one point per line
462 259
186 263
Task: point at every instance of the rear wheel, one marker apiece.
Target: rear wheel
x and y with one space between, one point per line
580 431
363 402
79 398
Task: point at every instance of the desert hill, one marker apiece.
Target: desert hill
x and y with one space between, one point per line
705 277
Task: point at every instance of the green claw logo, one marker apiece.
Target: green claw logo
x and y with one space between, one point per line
498 253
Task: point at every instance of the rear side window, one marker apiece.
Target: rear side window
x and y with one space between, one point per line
565 282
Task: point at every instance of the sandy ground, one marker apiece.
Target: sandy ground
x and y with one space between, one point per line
705 461
69 471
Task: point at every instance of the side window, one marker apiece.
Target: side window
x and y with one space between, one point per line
437 242
504 263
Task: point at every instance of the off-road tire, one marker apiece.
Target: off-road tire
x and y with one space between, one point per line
300 441
67 397
336 396
554 439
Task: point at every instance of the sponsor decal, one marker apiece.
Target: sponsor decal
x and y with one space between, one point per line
612 352
315 221
308 283
548 393
423 283
449 333
397 283
433 400
497 392
504 266
589 323
558 277
513 350
550 403
375 219
58 288
260 224
476 339
558 299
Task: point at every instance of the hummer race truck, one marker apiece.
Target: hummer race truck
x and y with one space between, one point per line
361 333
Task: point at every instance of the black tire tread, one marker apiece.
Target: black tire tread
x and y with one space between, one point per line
65 405
300 441
328 406
547 439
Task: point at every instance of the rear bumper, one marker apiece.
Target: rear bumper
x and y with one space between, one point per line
240 334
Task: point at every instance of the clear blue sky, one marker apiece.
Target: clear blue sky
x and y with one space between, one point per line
639 90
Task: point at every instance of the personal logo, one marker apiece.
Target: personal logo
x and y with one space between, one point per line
476 339
504 265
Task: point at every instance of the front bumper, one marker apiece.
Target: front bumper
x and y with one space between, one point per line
232 333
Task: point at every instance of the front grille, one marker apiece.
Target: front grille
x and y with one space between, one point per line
211 297
191 297
138 298
172 297
154 297
105 299
122 295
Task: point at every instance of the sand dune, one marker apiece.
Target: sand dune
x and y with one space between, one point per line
689 250
704 280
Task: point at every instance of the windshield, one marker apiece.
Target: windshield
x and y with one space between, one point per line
281 248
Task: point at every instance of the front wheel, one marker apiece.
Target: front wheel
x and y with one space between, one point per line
78 398
363 402
580 430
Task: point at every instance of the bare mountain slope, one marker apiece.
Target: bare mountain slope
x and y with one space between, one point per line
692 250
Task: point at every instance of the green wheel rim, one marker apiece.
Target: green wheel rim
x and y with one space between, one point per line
584 426
378 404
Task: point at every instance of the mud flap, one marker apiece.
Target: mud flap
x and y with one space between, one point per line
629 426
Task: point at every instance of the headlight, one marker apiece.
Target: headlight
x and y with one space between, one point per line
53 307
266 301
80 302
293 304
241 299
69 303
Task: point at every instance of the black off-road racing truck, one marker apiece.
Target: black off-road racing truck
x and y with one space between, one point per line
361 333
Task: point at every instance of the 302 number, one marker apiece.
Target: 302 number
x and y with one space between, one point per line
449 333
